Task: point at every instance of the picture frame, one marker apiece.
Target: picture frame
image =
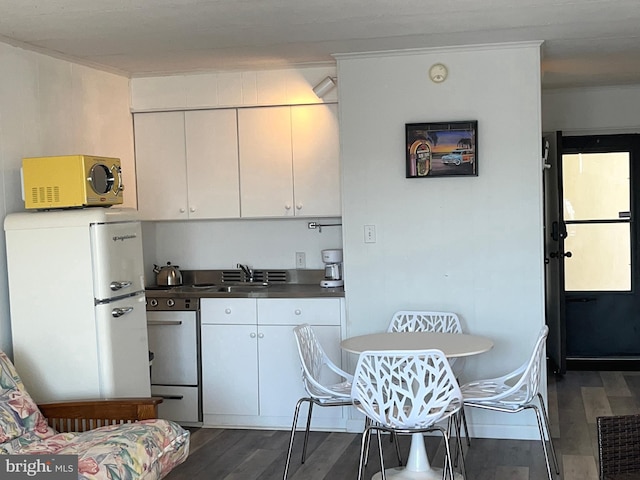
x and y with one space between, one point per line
441 149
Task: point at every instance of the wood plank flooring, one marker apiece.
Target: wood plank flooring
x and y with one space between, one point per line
575 400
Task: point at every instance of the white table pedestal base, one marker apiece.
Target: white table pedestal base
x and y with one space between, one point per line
399 473
418 467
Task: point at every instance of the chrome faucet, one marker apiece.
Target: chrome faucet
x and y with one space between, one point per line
248 272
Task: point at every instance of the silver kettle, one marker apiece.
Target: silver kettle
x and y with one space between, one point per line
168 275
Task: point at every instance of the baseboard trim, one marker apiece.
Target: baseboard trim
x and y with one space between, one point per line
604 364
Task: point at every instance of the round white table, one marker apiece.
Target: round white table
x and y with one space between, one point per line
453 345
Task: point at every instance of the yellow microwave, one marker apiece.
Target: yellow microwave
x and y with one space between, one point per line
71 181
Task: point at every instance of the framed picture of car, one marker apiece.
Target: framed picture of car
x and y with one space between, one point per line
444 149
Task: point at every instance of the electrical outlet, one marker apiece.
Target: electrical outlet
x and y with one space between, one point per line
369 234
301 260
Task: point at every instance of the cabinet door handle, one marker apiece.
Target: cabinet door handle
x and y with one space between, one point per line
227 311
252 335
160 322
299 206
261 335
192 209
298 311
182 210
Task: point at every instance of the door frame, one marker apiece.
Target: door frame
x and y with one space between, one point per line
553 243
556 313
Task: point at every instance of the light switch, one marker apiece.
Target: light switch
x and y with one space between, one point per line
369 234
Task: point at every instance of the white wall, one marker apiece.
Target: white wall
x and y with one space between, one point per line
53 107
585 111
472 245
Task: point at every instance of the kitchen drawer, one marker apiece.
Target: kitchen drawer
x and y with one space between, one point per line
295 311
228 311
179 404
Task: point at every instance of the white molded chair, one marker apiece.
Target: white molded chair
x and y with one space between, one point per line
428 321
423 321
515 392
314 361
406 392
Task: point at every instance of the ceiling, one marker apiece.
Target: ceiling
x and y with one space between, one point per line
586 42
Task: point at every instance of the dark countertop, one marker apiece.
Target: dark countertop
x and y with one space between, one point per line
287 284
286 290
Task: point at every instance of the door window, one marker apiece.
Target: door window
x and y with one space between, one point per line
596 206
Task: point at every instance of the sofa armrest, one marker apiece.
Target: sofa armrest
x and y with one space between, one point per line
83 415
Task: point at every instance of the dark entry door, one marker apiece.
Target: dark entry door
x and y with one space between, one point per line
597 254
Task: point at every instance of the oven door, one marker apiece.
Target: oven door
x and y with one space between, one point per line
173 339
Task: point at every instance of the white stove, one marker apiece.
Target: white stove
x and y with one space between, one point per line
173 325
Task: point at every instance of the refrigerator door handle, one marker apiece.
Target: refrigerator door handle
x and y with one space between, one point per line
118 312
115 286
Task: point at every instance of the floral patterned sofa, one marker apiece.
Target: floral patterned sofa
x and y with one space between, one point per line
145 449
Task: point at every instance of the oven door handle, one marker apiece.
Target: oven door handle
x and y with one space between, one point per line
159 322
170 397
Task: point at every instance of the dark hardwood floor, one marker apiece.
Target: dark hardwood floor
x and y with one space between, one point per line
575 400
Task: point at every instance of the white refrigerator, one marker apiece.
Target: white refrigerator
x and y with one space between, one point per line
78 314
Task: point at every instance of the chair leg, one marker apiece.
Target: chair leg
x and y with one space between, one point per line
460 451
545 417
383 474
366 435
466 427
395 437
293 432
542 439
306 431
367 432
464 422
448 461
454 425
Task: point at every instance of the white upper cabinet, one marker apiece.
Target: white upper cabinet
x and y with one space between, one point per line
289 161
187 164
161 165
230 163
316 160
212 164
266 177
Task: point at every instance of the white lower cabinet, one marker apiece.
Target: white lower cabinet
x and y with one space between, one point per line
229 370
250 368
